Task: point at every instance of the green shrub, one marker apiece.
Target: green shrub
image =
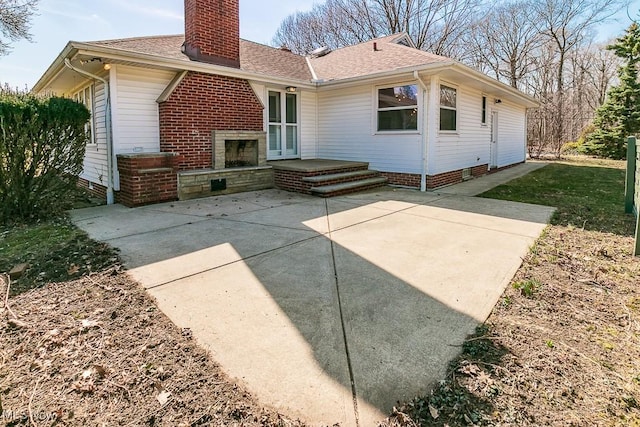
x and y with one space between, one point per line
42 145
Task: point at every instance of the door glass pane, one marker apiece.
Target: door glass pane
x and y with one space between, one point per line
292 140
274 107
275 140
292 108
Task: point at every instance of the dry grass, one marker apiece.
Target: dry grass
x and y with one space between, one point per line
96 351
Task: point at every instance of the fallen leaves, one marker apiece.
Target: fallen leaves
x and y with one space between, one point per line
99 346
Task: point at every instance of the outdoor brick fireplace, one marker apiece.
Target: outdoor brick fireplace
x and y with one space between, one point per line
239 153
239 164
232 149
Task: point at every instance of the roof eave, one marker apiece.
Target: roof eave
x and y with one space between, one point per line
390 73
55 68
433 68
528 100
74 48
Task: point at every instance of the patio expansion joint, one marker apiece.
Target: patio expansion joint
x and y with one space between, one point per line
342 321
469 225
159 285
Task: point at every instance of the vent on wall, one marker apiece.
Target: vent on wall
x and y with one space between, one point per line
218 184
466 174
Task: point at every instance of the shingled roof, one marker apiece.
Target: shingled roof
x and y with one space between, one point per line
254 57
349 62
362 59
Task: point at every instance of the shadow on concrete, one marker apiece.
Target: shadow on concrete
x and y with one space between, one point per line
381 300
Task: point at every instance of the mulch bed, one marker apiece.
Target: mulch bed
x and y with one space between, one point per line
96 351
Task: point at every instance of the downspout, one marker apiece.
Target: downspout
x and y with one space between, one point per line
425 102
107 120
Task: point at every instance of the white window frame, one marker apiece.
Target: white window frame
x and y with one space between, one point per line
376 110
81 97
441 107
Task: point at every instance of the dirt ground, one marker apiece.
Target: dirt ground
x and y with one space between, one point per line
97 352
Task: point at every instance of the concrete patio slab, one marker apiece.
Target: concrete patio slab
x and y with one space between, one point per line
330 310
278 335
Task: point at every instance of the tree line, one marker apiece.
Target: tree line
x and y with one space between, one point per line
542 47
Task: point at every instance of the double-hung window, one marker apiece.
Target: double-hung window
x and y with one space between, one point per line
448 109
398 108
85 96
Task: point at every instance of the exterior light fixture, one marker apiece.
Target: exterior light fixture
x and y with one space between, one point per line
291 89
107 67
497 100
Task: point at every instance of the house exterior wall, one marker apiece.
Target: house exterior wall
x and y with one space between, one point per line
202 103
135 113
346 131
95 158
469 146
308 125
512 134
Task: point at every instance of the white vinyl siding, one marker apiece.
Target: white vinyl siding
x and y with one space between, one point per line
469 145
136 121
308 125
511 133
95 158
346 131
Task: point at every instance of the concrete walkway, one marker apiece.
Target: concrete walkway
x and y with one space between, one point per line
479 185
329 310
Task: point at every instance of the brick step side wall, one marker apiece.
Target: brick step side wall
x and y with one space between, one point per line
292 180
403 179
147 178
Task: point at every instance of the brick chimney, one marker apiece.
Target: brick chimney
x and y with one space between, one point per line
212 31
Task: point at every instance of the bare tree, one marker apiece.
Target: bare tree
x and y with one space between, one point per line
15 16
506 40
434 25
566 24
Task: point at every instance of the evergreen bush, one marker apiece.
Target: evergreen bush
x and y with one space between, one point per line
42 146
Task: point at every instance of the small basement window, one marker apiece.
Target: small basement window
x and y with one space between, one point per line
398 108
448 109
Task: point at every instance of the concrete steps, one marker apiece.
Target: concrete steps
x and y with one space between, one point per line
349 186
324 177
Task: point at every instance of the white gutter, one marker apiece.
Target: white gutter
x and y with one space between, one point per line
107 120
425 103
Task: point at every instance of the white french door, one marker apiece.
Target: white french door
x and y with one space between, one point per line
283 125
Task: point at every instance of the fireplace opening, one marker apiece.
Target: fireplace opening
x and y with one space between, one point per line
239 153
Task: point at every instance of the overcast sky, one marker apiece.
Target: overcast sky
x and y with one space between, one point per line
59 21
